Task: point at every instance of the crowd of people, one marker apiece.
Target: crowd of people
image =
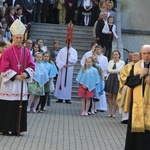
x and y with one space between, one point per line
101 14
80 12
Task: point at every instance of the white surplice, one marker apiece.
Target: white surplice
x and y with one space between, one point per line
85 56
10 90
103 61
61 91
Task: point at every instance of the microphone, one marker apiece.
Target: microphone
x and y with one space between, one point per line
146 64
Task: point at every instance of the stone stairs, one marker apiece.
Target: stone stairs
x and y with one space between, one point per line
82 38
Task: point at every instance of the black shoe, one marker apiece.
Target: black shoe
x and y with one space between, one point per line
6 133
68 102
59 101
102 111
16 134
124 122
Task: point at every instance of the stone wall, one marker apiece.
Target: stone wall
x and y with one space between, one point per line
134 42
135 16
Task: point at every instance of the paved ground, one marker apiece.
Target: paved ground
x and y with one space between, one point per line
62 128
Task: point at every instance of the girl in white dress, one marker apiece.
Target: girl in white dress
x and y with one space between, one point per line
87 4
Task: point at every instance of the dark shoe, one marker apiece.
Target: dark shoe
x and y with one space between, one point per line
89 113
124 122
16 134
59 101
102 111
68 102
6 133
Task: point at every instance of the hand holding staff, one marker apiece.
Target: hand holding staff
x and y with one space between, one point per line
21 94
70 28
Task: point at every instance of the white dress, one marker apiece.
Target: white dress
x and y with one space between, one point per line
102 104
64 92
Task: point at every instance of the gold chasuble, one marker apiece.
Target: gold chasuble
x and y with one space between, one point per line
124 92
141 105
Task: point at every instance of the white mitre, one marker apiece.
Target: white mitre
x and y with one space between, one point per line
17 28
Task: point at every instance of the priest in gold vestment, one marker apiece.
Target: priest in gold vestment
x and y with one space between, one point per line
124 92
138 132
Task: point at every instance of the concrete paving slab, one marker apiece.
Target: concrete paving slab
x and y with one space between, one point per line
62 128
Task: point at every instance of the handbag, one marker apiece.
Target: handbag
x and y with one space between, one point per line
35 89
52 88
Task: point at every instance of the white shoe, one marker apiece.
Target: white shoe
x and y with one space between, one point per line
89 113
34 111
85 114
114 115
28 110
82 114
95 111
92 112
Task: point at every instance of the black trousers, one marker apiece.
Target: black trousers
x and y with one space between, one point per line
53 15
70 15
42 101
9 113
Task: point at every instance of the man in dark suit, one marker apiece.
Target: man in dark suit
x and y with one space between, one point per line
80 10
13 2
70 9
28 6
138 131
53 12
37 10
95 11
99 28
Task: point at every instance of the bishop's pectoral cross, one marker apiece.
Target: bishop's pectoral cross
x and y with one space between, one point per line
18 66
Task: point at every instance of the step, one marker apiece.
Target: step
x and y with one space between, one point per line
61 36
56 26
61 31
77 44
62 39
